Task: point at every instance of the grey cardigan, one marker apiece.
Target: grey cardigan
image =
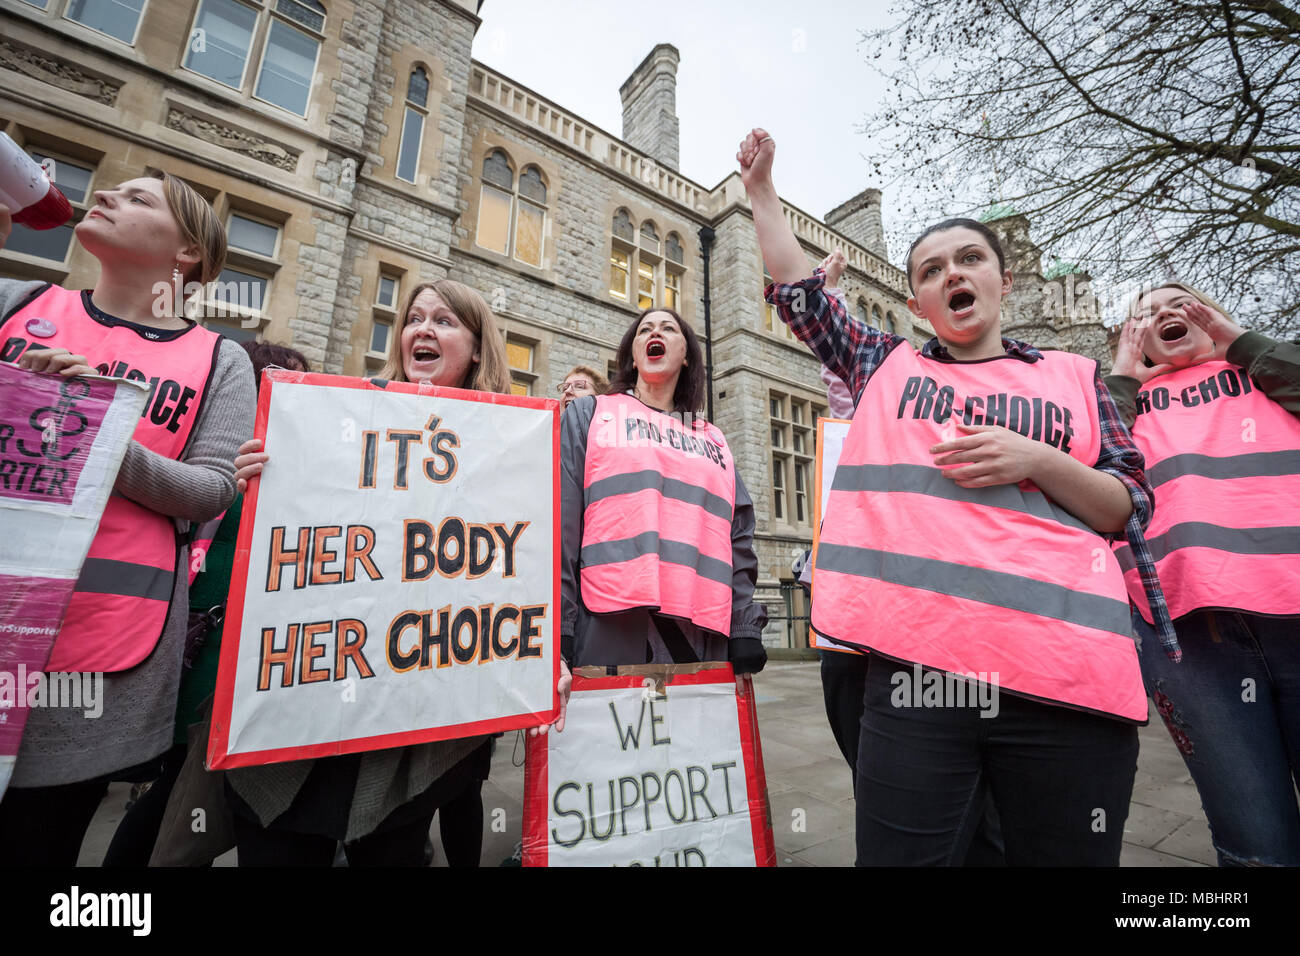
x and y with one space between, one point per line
62 745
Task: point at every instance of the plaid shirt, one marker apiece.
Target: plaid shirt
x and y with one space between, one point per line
851 349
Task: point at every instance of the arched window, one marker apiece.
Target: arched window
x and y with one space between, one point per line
649 237
623 227
659 265
417 104
225 34
674 267
530 217
890 325
512 221
495 197
862 313
675 249
620 253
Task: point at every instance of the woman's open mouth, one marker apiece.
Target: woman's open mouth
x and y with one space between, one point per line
961 303
1173 331
656 349
423 353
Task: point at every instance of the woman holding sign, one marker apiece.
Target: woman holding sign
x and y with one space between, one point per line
1214 409
127 617
380 804
964 545
658 558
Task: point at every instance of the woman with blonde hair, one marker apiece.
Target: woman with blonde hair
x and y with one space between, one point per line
581 380
127 617
380 804
1214 409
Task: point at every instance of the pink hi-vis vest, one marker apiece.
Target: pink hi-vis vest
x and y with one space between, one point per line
119 608
1224 460
998 582
657 526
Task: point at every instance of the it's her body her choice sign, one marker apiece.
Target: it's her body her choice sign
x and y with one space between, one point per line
395 577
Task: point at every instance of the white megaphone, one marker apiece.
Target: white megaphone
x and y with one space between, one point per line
32 198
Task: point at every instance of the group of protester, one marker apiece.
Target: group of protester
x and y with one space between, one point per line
988 518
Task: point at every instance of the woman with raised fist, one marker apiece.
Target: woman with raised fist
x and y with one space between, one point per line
964 545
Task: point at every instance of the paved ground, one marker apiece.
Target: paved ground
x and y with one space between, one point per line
1166 826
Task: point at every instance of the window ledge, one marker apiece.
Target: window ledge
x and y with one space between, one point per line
212 310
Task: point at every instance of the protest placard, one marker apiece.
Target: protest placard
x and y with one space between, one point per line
656 766
831 433
61 444
395 577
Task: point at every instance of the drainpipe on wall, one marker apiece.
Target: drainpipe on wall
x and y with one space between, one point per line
706 247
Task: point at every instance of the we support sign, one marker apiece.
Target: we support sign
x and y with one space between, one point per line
395 575
658 766
61 443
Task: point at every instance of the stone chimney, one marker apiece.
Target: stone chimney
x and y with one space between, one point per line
650 106
860 220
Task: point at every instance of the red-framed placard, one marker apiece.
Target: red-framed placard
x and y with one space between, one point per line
453 497
691 729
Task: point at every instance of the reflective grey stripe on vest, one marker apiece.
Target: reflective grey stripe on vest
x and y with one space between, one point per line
101 576
668 487
1200 534
649 542
1259 464
926 480
997 588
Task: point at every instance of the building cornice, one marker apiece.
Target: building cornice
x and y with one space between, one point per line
405 248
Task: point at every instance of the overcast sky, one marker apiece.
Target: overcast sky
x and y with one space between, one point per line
795 69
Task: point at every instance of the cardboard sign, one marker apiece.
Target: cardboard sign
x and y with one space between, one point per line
61 443
658 766
396 574
831 433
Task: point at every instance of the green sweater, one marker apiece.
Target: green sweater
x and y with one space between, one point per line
208 590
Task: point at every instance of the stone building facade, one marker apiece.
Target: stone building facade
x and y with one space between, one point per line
354 149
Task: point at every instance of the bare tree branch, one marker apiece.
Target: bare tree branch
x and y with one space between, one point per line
1140 140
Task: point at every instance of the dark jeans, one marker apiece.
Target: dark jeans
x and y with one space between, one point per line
138 832
1061 779
44 826
844 678
261 846
1232 706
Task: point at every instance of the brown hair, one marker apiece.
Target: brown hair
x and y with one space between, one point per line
490 373
263 354
199 225
600 384
688 396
